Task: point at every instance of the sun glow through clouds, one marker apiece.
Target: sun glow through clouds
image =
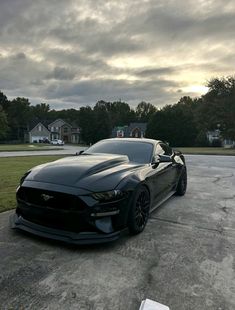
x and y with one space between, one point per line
197 89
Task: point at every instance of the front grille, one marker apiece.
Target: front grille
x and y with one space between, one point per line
50 199
60 210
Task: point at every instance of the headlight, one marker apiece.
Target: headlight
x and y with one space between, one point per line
24 176
110 195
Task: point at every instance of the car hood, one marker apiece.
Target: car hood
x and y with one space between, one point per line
94 172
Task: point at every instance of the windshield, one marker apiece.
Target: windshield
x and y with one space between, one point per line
140 152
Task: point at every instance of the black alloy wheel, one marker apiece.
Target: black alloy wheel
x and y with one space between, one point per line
182 184
139 212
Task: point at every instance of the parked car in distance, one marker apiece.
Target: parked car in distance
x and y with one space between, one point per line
110 187
57 142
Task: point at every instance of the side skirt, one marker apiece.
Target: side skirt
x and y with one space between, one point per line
162 201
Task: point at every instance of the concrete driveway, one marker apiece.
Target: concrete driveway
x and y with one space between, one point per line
184 258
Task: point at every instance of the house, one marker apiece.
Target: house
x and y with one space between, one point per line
228 143
120 132
214 137
39 132
134 130
137 130
58 129
64 131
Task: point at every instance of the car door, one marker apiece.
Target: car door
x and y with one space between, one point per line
171 171
157 176
163 174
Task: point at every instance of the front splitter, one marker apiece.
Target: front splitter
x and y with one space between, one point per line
18 222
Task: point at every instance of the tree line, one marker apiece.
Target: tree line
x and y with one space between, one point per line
185 123
18 115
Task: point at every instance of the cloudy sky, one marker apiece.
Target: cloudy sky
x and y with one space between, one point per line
70 53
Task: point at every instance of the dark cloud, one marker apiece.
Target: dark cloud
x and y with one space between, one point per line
61 73
77 52
111 90
81 63
19 56
156 72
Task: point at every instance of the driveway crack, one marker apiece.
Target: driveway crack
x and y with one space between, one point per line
218 179
218 230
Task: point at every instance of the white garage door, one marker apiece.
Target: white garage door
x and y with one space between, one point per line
37 138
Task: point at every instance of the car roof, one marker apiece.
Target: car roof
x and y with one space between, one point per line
134 140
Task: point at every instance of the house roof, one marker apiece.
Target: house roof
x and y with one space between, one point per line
47 123
58 119
37 124
141 126
33 123
66 124
128 129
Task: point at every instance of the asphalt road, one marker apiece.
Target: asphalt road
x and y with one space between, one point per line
183 259
67 150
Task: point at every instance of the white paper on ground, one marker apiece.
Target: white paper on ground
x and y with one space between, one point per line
149 304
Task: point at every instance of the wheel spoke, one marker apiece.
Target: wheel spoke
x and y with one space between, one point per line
142 209
139 219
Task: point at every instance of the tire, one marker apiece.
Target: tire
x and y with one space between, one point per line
139 212
182 184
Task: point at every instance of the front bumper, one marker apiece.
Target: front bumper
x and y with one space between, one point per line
18 222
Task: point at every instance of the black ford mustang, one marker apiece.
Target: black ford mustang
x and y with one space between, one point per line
93 197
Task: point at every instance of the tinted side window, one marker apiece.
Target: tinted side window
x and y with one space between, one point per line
167 150
159 150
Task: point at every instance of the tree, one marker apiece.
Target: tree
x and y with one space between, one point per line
121 114
97 123
19 115
86 122
101 104
3 101
217 107
40 111
3 123
174 124
69 115
144 111
102 122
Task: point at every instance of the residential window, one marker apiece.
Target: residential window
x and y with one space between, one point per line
120 134
39 128
65 129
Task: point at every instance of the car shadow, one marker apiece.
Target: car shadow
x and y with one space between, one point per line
45 242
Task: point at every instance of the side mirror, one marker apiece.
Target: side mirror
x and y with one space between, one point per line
177 152
79 153
161 159
165 159
155 160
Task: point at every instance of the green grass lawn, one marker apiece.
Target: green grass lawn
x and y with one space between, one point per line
11 170
26 147
206 150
